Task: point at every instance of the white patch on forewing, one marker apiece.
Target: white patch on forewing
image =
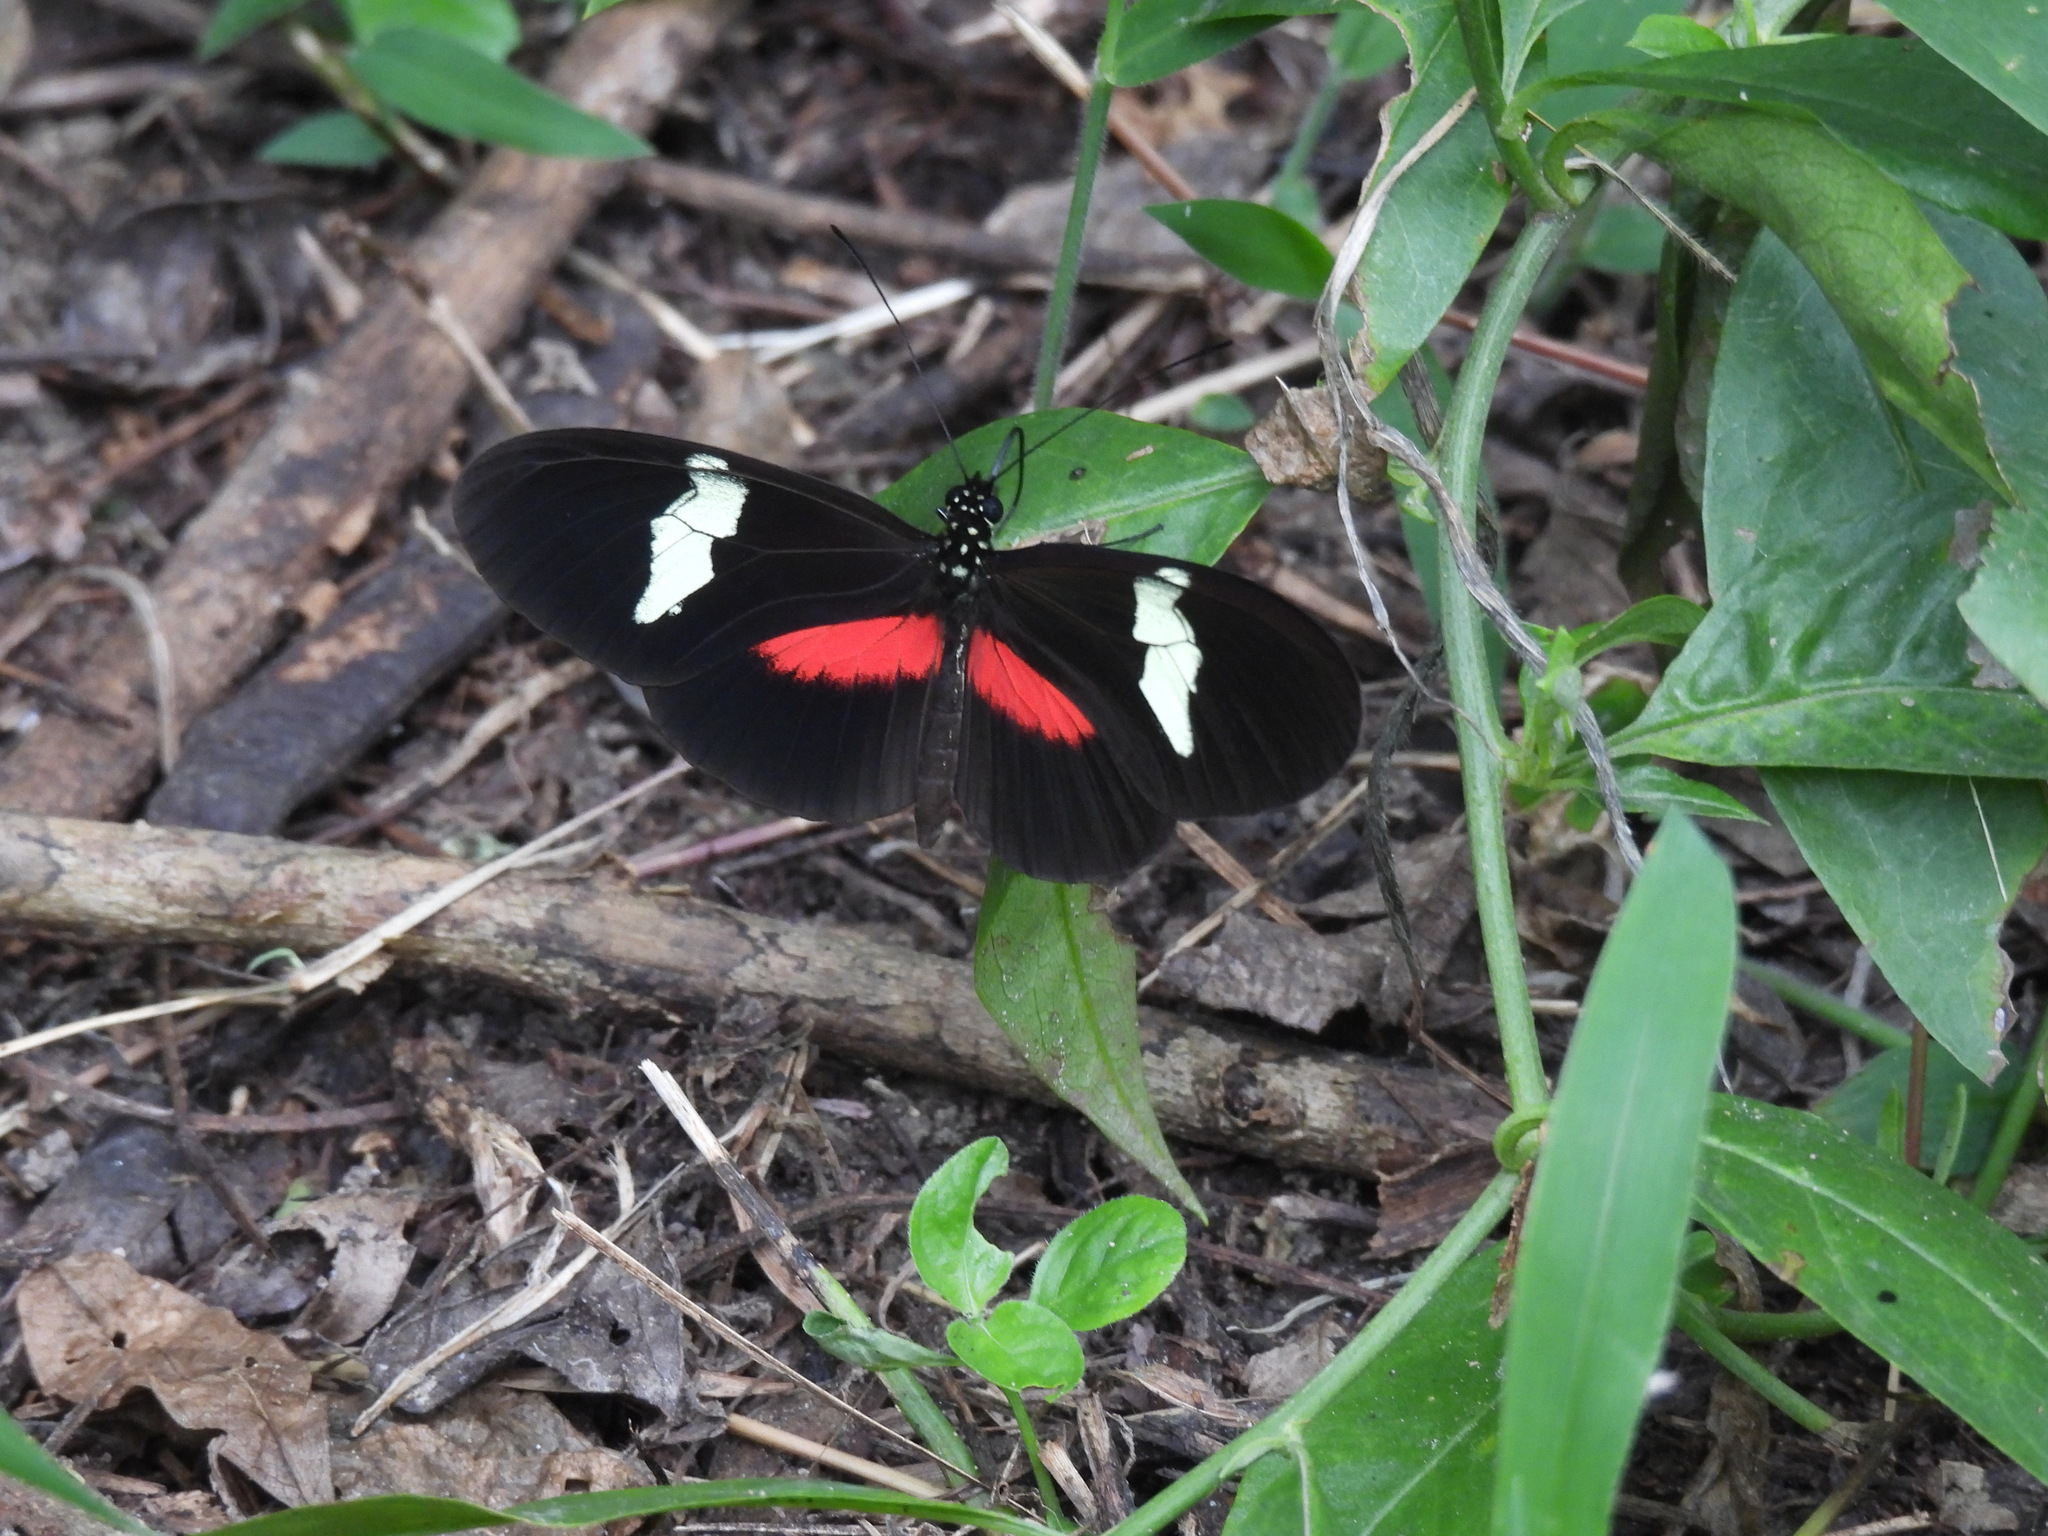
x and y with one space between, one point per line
680 562
1172 658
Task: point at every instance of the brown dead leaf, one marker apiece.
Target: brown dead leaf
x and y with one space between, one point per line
1293 978
366 1230
96 1330
1295 443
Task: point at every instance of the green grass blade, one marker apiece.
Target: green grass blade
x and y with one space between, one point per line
27 1462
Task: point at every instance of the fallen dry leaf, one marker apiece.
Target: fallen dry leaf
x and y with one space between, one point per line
96 1329
366 1230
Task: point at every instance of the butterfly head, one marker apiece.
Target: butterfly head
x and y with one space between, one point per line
971 512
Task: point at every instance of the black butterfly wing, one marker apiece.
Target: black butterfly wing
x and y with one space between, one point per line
1212 695
657 559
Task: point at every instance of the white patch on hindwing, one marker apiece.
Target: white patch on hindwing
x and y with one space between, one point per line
1172 658
679 564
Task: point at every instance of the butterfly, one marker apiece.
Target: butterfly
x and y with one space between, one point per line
829 660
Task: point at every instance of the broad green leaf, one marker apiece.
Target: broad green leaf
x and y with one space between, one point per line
489 26
1153 488
1606 1221
1894 100
1159 37
1834 641
1521 23
2001 328
1857 1104
1407 1447
1440 215
2001 44
952 1256
22 1459
1625 237
457 90
1916 1273
1259 246
236 19
1667 37
327 138
874 1349
1052 972
403 1514
1020 1344
1859 233
1111 1262
1363 43
1924 869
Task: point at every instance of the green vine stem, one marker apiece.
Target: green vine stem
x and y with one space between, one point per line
1479 23
1027 1435
2012 1124
1698 1324
1482 743
1280 1430
1827 1007
1770 1327
1059 303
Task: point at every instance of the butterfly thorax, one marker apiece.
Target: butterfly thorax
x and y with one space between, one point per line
971 511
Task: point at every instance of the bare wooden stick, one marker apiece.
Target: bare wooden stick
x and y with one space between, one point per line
359 424
586 945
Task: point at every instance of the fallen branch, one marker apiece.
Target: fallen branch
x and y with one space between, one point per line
356 426
586 944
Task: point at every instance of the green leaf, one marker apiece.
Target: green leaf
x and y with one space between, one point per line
489 26
1893 100
1521 23
1020 1344
22 1459
1857 1104
1924 869
457 90
2004 603
1916 1273
1052 972
1602 1240
1364 43
1858 232
1625 237
404 1514
1259 246
1160 37
236 19
1664 37
1407 1447
1158 489
1440 215
1653 790
874 1349
1661 620
1834 641
327 138
1221 413
1591 37
592 7
952 1256
1111 1262
2000 44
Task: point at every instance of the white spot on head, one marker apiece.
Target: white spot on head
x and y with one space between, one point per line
679 563
1172 658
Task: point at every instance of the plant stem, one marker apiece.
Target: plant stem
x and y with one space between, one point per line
927 1419
1827 1007
1059 303
1769 1327
1313 122
2012 1124
1482 744
1048 1492
1479 23
1273 1434
1698 1323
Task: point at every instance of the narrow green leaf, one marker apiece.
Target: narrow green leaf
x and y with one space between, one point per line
1653 790
1158 489
1924 869
1602 1241
1858 232
592 7
1914 1271
1857 1104
952 1256
1661 620
1363 43
1407 1447
1018 1345
236 19
491 27
1110 1263
872 1349
391 1514
1522 22
338 139
1665 37
457 90
1259 246
2000 44
1592 37
1157 38
22 1459
1052 972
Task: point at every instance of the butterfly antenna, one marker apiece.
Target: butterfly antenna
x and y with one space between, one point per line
909 351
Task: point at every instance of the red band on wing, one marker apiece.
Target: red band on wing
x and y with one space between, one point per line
1015 689
884 650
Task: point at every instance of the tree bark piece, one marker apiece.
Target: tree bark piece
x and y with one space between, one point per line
355 426
589 945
